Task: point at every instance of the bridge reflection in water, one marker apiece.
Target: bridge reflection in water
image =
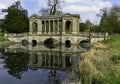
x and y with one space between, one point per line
56 60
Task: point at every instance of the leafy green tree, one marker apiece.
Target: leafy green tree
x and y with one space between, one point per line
85 27
110 20
82 27
88 25
16 63
16 21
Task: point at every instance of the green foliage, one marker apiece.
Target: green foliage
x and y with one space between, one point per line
85 27
16 63
101 65
110 20
113 74
16 21
2 38
112 77
115 59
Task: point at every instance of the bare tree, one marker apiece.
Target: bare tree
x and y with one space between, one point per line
53 7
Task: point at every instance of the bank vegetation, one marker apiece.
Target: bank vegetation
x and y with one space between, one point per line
101 65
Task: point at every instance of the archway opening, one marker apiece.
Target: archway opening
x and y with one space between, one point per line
34 26
68 61
67 43
51 43
35 58
34 43
24 42
85 44
68 26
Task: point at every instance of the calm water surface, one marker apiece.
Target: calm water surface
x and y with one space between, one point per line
39 65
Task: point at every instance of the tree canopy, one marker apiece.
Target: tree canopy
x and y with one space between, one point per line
110 21
16 21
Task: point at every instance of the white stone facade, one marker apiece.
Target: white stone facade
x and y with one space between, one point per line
54 25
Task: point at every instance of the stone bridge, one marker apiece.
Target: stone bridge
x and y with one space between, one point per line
64 39
62 29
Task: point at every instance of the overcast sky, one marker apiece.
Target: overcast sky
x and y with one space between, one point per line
87 9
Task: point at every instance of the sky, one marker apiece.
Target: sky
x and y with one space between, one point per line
87 9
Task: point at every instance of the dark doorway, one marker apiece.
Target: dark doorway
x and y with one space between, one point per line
35 58
34 43
68 61
67 44
34 25
68 27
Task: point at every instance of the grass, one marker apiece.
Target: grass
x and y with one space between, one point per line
102 63
2 38
114 43
113 74
4 41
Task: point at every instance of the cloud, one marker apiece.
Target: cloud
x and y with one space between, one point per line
86 8
4 4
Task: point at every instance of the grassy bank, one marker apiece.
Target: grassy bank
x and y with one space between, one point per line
101 65
113 74
4 41
2 38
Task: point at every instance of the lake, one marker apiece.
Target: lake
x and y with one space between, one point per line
39 64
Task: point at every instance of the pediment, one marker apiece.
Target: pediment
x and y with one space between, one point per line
68 15
34 16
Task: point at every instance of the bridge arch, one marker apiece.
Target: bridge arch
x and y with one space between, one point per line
84 44
24 42
67 43
34 43
51 43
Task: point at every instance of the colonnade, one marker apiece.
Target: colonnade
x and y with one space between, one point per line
51 26
49 60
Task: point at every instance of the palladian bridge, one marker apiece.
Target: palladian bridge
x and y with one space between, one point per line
58 28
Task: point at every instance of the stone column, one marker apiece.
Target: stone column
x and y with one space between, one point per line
58 60
58 27
63 26
39 29
49 59
63 61
53 59
45 27
40 59
53 26
49 27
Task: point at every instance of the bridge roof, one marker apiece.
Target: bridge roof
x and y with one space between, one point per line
55 16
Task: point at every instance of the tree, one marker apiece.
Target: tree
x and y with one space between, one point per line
82 27
88 25
53 8
16 63
110 19
16 21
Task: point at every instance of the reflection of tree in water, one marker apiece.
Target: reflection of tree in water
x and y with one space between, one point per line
16 63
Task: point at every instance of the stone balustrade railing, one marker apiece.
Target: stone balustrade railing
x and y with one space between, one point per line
81 34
